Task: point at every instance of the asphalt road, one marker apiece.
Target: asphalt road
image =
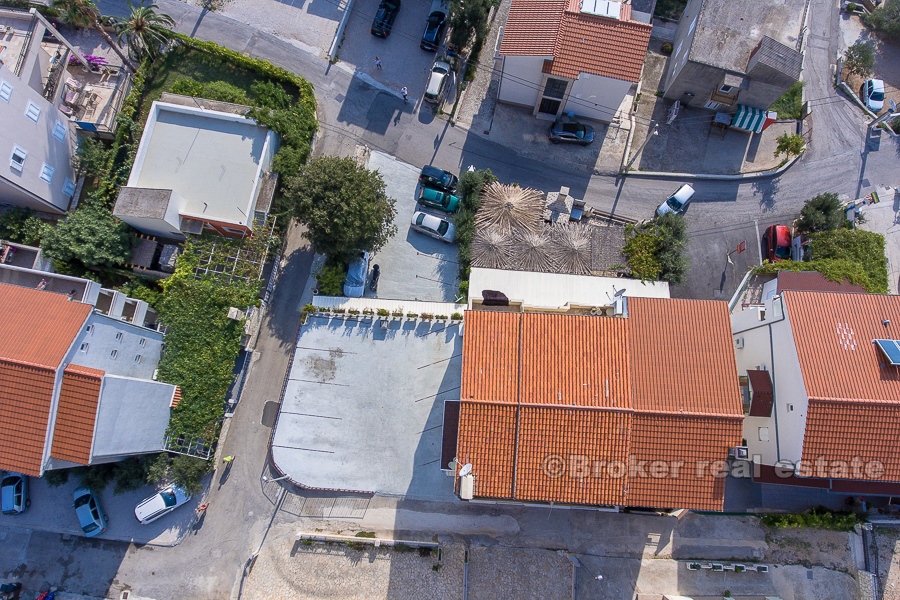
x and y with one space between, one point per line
351 112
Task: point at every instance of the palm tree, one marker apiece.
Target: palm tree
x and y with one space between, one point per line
145 30
84 13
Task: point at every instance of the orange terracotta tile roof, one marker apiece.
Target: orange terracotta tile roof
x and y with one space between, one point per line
575 41
38 327
854 392
683 357
25 395
79 397
833 335
571 386
842 432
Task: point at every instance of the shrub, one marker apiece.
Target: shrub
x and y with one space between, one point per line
666 48
225 92
819 518
21 226
331 280
188 471
790 144
456 316
790 105
131 473
57 477
97 477
821 213
640 251
365 534
187 87
270 95
383 312
91 236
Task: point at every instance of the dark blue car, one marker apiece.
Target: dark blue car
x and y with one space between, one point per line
434 31
384 18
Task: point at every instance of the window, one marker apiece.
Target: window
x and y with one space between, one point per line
59 131
764 434
555 88
114 354
712 105
143 342
119 336
47 172
726 89
84 347
17 160
33 111
137 358
89 329
68 187
790 408
5 90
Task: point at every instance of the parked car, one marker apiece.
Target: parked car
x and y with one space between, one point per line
385 17
436 227
571 131
776 242
677 201
434 30
437 83
357 273
160 504
872 93
433 198
14 494
438 178
90 515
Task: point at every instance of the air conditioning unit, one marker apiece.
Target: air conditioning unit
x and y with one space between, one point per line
738 343
739 453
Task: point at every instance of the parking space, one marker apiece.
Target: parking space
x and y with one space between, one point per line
51 510
363 404
403 62
413 266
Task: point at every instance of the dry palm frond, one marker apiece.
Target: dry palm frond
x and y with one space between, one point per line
571 248
532 252
508 209
491 249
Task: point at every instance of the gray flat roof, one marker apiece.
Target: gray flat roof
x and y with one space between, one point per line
210 159
363 406
727 31
132 417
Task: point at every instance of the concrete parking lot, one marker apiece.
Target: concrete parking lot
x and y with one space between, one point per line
363 405
51 510
413 266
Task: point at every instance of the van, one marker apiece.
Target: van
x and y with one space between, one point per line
437 84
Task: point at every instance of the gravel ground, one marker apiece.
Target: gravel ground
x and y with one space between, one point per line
888 540
515 573
810 547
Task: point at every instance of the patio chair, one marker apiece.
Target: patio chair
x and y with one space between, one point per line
74 84
72 98
66 110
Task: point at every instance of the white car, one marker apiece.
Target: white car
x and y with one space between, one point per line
873 94
161 503
436 227
437 84
677 201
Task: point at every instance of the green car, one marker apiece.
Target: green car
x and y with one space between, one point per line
433 198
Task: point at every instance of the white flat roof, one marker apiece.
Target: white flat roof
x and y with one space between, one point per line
554 290
209 158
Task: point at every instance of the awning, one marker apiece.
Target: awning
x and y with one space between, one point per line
749 118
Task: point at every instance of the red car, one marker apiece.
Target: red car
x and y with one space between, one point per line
776 243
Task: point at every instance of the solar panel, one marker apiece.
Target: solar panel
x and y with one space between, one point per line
891 349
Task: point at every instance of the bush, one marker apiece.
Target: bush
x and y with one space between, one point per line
57 477
188 471
92 236
187 87
97 477
821 213
331 280
21 226
790 105
666 48
655 250
819 518
225 92
270 95
640 251
862 247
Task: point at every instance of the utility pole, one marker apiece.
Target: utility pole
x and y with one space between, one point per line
643 145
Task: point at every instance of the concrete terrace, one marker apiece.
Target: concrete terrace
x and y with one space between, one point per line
727 31
363 405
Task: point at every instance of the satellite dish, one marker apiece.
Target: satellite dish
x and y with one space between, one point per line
466 469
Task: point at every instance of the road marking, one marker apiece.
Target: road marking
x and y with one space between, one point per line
758 241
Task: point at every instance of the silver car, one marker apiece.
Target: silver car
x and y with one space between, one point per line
90 515
161 503
436 227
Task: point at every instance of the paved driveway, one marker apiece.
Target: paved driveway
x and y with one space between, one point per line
413 266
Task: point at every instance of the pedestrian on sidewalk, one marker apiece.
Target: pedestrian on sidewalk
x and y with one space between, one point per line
202 508
404 92
228 460
377 63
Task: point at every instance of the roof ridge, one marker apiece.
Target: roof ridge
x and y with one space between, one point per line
856 401
25 363
703 415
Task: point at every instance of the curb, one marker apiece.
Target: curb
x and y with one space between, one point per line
846 89
377 542
712 177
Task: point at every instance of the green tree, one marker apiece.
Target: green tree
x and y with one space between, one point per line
187 472
92 157
671 231
21 226
822 213
468 18
92 236
145 30
640 250
790 144
859 59
131 473
885 18
97 477
344 206
84 13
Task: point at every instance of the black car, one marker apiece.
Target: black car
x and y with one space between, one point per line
571 132
438 178
434 31
384 18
